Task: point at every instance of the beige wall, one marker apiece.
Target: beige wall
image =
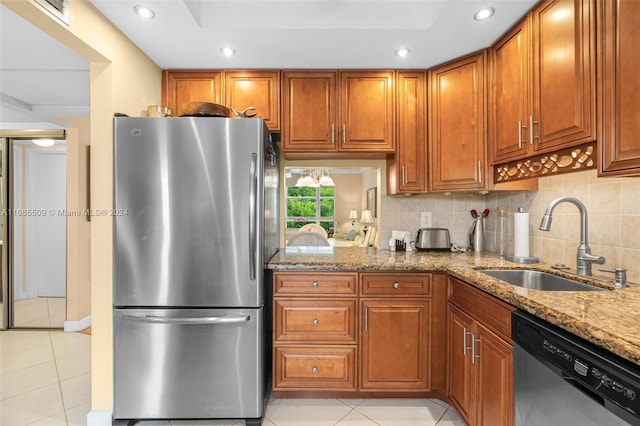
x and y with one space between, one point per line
124 80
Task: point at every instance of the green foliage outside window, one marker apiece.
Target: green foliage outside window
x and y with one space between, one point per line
310 205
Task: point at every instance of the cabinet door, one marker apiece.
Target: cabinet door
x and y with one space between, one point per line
494 379
367 111
182 87
395 345
510 59
619 144
309 112
457 125
409 167
564 74
459 372
259 89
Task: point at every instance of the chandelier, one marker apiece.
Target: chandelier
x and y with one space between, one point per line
315 178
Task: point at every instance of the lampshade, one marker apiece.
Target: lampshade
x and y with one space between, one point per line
366 218
353 214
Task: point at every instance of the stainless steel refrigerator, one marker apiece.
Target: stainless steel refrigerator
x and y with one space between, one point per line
195 221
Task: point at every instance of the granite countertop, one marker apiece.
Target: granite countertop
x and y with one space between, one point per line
609 319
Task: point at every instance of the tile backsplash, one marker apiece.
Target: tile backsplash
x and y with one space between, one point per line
613 206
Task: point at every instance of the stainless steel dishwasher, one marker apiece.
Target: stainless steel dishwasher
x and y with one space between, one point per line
561 379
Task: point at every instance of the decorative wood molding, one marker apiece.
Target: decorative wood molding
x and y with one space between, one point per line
567 160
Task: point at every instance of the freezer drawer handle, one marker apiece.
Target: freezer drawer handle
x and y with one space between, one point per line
227 319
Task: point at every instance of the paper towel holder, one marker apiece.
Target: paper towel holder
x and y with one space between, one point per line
522 259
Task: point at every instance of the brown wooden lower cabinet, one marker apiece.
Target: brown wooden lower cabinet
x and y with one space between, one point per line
395 344
361 334
480 368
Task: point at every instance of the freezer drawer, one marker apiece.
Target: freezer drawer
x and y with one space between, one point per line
188 363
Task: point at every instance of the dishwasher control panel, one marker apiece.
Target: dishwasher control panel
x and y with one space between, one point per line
598 371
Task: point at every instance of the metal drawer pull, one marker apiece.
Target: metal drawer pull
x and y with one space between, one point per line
396 285
315 322
333 129
314 284
314 370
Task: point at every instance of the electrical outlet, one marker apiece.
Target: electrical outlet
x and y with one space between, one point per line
425 220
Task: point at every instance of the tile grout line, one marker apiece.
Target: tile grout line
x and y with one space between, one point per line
55 364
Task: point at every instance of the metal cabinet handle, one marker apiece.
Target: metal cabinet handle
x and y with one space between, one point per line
314 284
333 131
402 178
465 333
520 133
315 322
396 285
480 171
314 370
366 319
344 134
473 349
531 123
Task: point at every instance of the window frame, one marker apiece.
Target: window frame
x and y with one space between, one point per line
317 219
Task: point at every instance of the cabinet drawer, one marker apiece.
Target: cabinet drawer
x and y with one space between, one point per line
396 284
319 283
490 311
315 320
317 368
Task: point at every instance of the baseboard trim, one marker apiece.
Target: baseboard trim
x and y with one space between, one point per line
99 418
77 325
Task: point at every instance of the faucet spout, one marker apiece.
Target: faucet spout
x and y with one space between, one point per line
584 258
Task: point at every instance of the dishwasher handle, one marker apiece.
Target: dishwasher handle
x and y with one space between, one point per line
225 319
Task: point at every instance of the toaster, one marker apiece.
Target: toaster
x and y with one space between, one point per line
433 239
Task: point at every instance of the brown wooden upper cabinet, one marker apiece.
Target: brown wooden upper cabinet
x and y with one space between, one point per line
345 111
237 89
258 89
407 170
619 87
457 130
543 80
181 87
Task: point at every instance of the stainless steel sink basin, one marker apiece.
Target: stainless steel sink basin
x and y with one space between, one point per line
537 280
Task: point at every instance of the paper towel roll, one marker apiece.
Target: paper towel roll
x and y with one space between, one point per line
521 234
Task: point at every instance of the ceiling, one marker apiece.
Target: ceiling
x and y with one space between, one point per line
41 79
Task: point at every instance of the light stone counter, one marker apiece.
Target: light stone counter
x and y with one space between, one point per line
610 319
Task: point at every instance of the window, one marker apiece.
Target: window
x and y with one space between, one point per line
310 205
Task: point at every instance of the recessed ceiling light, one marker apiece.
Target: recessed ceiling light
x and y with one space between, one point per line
228 51
403 51
144 12
483 14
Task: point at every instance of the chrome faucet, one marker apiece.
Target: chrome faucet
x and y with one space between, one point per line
584 258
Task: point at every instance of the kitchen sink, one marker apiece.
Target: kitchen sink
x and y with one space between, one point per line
537 280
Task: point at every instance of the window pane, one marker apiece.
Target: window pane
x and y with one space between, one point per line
326 208
301 207
327 191
306 191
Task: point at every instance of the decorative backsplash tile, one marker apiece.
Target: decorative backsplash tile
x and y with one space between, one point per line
613 206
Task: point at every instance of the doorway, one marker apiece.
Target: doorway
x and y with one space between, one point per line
34 232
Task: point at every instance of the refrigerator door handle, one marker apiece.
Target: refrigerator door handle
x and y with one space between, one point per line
226 319
253 188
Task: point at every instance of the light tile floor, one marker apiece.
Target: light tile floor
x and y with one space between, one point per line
40 312
45 380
